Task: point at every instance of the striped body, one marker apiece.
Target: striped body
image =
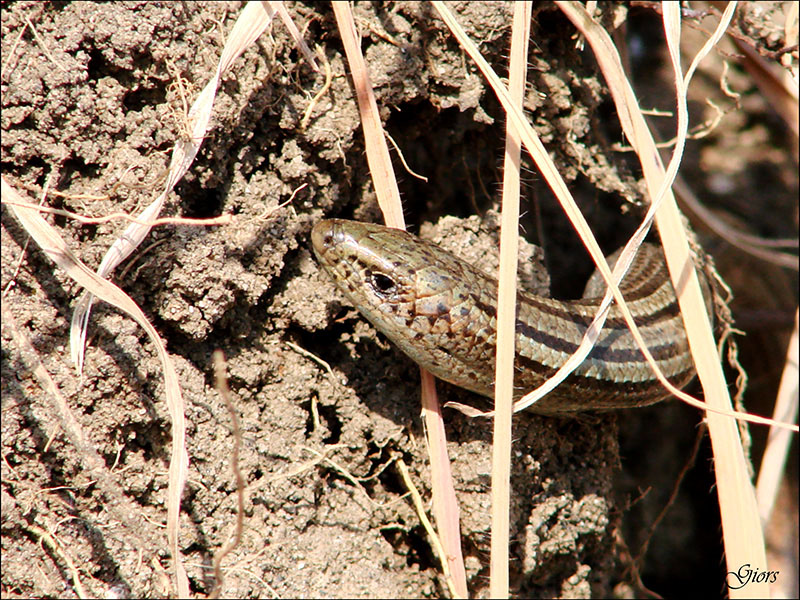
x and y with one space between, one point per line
441 311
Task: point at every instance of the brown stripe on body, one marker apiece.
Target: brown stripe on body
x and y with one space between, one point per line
612 355
576 391
564 312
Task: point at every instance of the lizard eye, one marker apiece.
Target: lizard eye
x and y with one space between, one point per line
382 284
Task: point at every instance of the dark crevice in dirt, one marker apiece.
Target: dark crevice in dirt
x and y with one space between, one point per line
413 544
329 425
75 168
140 99
695 502
459 156
202 203
99 67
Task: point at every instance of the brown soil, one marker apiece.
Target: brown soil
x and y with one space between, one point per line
89 97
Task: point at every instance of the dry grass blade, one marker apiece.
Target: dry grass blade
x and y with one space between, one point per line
380 163
445 505
252 22
741 529
54 247
506 312
779 441
416 499
280 7
443 490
